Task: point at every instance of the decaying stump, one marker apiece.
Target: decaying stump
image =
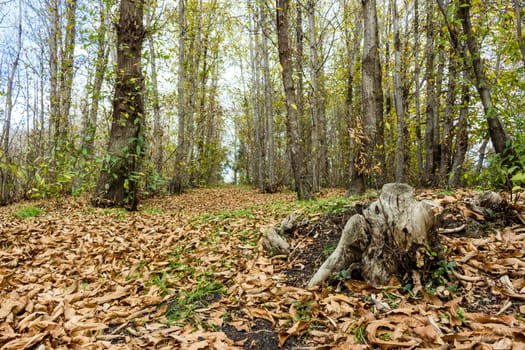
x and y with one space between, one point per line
393 233
273 240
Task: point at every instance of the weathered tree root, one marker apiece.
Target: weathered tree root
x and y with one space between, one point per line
393 233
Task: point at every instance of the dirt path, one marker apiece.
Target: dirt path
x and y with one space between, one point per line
187 272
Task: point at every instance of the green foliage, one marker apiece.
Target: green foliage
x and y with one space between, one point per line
303 310
359 333
181 308
28 212
501 174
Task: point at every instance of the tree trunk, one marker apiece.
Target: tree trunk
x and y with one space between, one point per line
389 239
66 74
432 99
292 121
54 97
118 182
158 134
372 94
356 154
519 31
316 100
94 89
417 94
447 136
461 139
400 168
179 180
7 176
9 90
269 184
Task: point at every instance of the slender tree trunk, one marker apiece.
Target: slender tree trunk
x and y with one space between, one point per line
178 182
7 177
118 182
292 121
357 183
54 97
446 144
461 139
399 102
66 73
158 134
372 94
519 31
417 94
9 90
315 100
257 114
101 63
269 181
432 100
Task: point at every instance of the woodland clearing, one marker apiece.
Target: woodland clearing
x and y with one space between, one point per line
189 272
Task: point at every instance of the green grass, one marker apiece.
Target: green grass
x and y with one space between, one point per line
223 216
152 210
181 308
28 212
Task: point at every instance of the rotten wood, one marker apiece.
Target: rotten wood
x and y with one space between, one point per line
388 239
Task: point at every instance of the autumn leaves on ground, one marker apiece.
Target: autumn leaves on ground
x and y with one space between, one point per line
189 272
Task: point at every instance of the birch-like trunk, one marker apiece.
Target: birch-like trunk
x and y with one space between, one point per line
295 149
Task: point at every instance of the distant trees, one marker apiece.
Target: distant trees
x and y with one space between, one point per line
286 94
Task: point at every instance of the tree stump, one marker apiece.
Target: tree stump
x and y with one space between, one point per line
390 238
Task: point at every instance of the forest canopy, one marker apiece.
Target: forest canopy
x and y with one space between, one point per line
298 94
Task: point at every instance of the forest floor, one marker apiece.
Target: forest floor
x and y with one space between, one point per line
189 272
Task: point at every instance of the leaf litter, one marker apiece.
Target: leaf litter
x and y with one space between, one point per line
189 272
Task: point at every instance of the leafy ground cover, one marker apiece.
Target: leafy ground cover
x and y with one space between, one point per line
189 272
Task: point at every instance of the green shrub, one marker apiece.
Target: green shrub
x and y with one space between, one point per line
28 212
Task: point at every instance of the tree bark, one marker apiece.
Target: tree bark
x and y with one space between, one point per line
118 181
417 94
66 74
9 90
269 184
179 180
372 94
295 148
400 168
158 134
432 99
389 239
447 135
461 139
54 97
519 31
356 154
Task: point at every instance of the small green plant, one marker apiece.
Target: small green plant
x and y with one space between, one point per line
359 333
461 315
303 310
385 336
342 276
181 308
28 212
328 250
161 281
